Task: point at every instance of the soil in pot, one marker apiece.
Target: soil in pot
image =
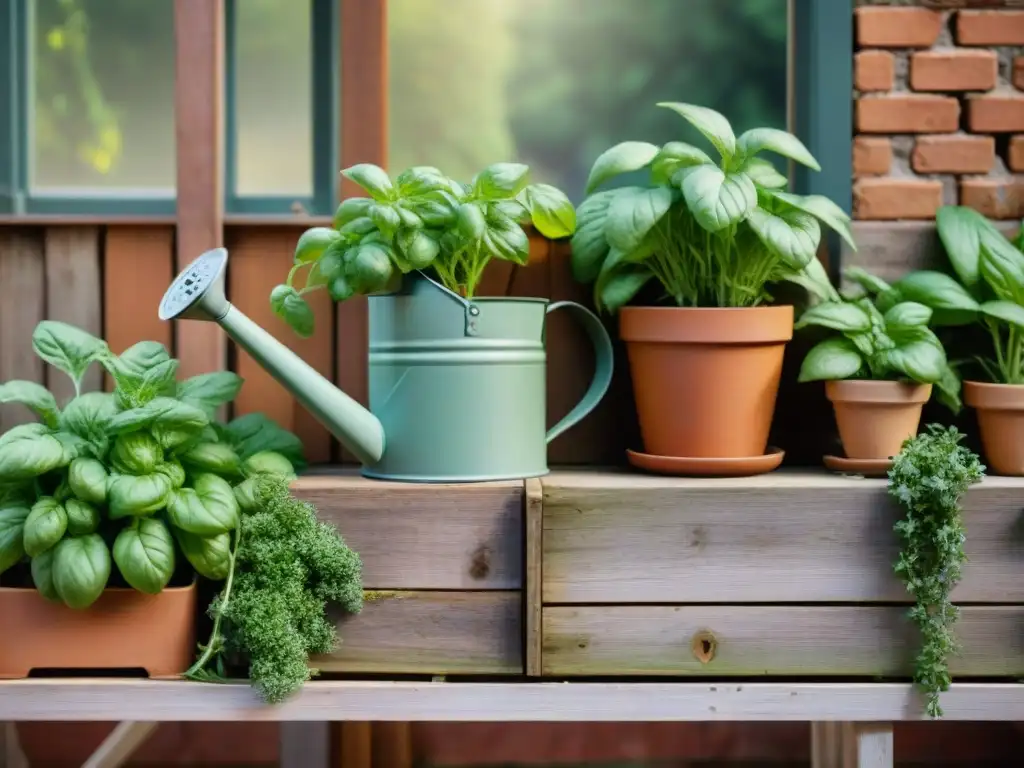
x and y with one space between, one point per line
1000 409
876 417
705 380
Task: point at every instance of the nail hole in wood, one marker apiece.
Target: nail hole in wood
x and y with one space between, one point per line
704 646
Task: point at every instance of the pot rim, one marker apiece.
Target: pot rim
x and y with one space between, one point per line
707 325
874 391
985 395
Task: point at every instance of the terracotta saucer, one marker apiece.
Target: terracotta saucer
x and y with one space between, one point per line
866 467
678 465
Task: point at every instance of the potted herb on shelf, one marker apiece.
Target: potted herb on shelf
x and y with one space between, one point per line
418 246
113 502
713 234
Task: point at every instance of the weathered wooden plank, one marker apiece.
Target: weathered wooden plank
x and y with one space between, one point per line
852 745
260 259
74 294
431 633
305 745
534 575
753 640
392 745
118 748
787 536
351 745
22 307
413 536
138 265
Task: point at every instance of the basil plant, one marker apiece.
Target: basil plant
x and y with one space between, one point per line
421 220
135 478
712 231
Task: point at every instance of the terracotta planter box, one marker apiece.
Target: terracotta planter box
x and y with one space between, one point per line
123 629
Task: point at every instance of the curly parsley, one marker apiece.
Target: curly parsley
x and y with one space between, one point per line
928 478
285 567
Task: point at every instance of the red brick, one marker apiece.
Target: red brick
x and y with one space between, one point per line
910 113
889 198
872 156
996 198
1018 72
954 70
990 27
874 71
897 27
954 154
1002 113
1015 156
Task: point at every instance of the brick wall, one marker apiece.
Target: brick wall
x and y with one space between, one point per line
939 108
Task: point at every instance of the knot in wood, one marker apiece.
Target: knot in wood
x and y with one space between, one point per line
704 646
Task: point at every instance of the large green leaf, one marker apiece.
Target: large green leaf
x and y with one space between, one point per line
622 158
81 568
35 397
822 208
88 480
763 173
551 212
1002 266
45 525
135 496
815 280
209 555
633 213
144 553
209 391
781 142
505 239
907 315
164 412
589 244
621 286
12 525
953 305
921 361
501 181
792 234
207 509
713 125
959 231
25 454
832 359
674 156
715 198
88 416
867 281
68 348
254 432
839 316
373 179
1004 312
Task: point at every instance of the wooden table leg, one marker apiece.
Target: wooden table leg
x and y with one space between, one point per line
115 750
851 745
11 755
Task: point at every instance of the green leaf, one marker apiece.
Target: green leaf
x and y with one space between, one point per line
420 180
417 248
953 305
947 389
174 472
245 495
710 123
313 242
831 360
270 463
905 315
716 199
373 179
471 221
589 245
45 525
144 553
633 213
209 391
823 209
35 396
921 361
1002 266
137 495
81 568
505 239
840 316
135 453
551 211
781 142
213 457
1004 312
88 416
143 371
622 158
254 432
67 348
792 234
763 173
42 576
83 517
287 304
351 209
164 412
814 279
870 283
675 156
621 286
386 219
25 454
207 509
959 231
369 268
209 555
500 181
12 526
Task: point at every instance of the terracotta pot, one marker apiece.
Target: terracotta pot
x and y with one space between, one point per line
876 417
123 629
1000 410
705 380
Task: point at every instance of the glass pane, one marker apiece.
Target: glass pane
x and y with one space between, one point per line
102 97
554 83
273 97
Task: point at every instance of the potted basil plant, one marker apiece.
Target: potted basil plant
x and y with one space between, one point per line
712 232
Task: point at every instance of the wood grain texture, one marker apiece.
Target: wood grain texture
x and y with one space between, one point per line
786 536
781 641
431 633
198 114
74 294
351 745
138 265
260 259
534 575
22 307
118 748
392 745
852 745
305 745
415 536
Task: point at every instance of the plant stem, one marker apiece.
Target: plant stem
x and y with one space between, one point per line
215 636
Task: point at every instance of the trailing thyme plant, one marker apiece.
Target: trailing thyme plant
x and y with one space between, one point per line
928 477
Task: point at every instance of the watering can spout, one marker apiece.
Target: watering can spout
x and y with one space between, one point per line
198 294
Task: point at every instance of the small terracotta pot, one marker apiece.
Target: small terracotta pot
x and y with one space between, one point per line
123 629
1000 409
705 380
876 417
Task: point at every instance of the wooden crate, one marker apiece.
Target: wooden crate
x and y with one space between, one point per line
442 570
788 574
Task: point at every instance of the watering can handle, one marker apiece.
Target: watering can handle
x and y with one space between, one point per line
603 357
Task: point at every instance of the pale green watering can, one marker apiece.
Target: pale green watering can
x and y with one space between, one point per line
457 387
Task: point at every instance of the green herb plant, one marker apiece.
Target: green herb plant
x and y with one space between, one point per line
134 478
284 567
928 478
712 232
421 220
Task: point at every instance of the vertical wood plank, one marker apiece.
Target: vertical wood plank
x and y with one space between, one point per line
22 306
852 745
74 295
198 105
138 265
534 498
351 745
11 755
305 745
392 745
260 258
364 135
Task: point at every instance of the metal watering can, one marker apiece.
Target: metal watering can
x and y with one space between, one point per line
457 387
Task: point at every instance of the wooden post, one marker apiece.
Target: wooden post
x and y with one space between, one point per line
851 745
305 745
534 498
118 747
198 112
